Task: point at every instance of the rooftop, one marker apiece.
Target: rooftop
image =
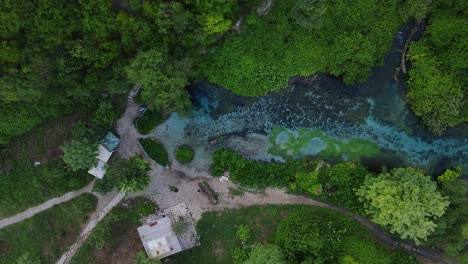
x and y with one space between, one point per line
158 238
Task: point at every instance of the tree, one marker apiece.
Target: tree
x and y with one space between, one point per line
243 233
418 9
127 175
450 234
80 154
141 258
163 80
353 56
262 254
308 13
405 201
104 115
298 236
450 175
434 94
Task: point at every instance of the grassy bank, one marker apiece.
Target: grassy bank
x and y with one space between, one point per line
46 235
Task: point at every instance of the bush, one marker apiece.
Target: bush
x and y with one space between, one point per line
254 173
104 115
243 233
127 175
150 119
155 151
184 154
180 226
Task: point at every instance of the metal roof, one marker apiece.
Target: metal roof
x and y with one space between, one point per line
158 238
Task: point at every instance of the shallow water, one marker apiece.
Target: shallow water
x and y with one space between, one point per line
375 111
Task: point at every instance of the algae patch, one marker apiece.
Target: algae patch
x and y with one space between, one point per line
304 142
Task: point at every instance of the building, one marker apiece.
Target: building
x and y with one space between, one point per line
106 147
158 238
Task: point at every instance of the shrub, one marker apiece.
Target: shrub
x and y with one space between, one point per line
148 121
184 154
243 233
254 173
80 154
104 115
127 175
180 226
155 151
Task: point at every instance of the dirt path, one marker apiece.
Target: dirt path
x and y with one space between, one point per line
127 132
94 219
197 202
44 206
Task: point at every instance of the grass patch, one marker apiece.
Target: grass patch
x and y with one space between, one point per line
184 154
21 184
115 238
48 234
25 185
304 142
148 121
155 151
217 232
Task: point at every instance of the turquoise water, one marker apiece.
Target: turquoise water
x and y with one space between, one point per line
375 111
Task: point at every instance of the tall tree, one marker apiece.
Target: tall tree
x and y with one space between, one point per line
262 254
163 79
80 154
405 201
127 175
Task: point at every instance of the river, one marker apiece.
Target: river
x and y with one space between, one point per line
319 116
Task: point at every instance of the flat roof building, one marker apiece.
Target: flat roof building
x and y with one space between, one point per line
159 240
107 146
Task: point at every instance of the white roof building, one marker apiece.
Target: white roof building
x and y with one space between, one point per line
105 150
158 238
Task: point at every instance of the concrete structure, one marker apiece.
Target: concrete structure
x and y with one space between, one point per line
158 238
107 146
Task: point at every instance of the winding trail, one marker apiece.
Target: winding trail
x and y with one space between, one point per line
44 206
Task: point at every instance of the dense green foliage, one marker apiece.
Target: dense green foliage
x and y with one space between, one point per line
302 38
405 201
47 235
253 173
104 115
335 183
155 150
451 231
127 175
163 80
261 254
339 182
219 241
184 154
118 226
80 154
148 121
57 55
438 81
